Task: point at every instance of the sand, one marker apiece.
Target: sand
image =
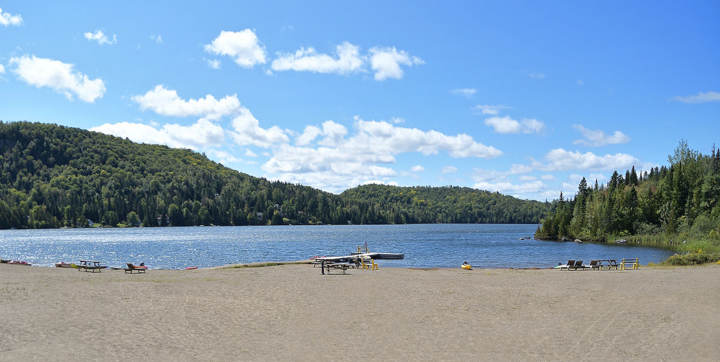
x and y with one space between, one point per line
292 312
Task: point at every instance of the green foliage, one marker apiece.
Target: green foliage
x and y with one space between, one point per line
53 176
664 207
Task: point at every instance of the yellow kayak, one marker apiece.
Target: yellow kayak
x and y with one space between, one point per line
466 266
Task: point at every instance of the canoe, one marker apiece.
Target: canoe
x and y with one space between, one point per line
19 262
65 265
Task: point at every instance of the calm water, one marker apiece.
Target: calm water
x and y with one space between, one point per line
423 245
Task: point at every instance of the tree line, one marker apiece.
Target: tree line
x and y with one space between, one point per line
665 205
53 176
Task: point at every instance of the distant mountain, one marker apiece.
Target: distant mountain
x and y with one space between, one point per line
54 176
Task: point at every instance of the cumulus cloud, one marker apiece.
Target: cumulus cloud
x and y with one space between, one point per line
562 160
599 138
243 46
59 76
247 131
701 97
166 102
489 109
387 62
100 37
417 168
7 19
2 69
201 134
330 158
467 92
347 59
509 125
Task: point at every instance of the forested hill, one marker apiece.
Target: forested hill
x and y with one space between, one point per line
55 176
660 207
393 204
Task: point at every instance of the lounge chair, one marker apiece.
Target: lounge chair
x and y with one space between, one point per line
578 265
567 266
135 268
595 264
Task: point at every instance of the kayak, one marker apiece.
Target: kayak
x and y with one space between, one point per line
191 268
466 266
65 265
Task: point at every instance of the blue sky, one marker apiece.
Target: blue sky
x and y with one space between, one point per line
524 98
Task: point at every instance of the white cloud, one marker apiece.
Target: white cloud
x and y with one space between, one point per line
247 131
562 160
213 63
166 102
537 75
243 46
417 168
527 178
509 125
250 153
701 97
387 62
599 138
397 120
547 177
308 135
467 92
490 109
449 169
157 38
330 158
7 19
202 133
2 69
347 60
100 37
59 76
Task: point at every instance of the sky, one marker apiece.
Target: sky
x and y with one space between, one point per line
524 98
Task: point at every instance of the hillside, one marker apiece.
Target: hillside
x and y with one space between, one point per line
54 176
422 204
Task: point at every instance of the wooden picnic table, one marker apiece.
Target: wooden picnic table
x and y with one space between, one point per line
91 266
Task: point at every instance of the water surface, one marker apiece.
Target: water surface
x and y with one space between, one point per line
438 245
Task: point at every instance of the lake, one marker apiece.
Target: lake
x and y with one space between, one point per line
439 245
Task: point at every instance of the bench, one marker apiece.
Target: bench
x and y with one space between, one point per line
90 266
338 266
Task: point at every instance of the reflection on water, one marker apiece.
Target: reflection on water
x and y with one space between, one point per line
444 245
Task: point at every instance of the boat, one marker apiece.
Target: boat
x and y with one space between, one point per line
65 265
4 261
19 262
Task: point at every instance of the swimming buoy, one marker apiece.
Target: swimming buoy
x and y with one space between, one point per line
466 266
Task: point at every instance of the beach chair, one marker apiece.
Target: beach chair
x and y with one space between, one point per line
595 264
569 265
364 265
578 265
133 268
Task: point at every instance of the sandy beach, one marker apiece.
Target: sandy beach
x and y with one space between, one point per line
292 312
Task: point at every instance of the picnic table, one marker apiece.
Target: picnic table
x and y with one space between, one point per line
90 266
